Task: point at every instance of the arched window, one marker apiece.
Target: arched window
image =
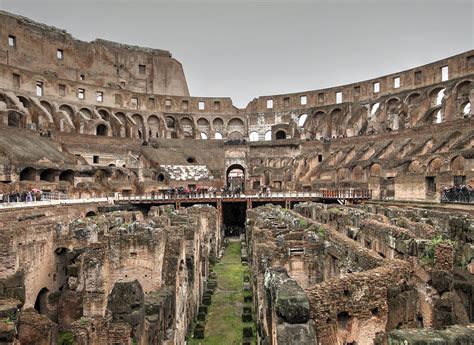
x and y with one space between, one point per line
203 136
253 136
280 135
101 130
302 120
268 135
218 135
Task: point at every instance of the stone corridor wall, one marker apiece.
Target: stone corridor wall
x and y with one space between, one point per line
121 276
364 271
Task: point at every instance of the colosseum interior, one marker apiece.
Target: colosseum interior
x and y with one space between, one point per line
134 213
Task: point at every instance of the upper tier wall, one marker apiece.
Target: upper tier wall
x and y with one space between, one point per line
35 47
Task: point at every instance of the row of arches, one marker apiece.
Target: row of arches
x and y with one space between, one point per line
49 175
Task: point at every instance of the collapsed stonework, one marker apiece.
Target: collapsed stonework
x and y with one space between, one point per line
359 275
118 277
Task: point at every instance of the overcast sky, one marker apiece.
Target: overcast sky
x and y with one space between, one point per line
248 48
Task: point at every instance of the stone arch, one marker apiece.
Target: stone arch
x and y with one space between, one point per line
187 127
218 123
435 165
153 126
120 129
16 119
48 106
101 130
236 125
25 101
413 99
375 170
41 302
28 174
90 214
358 173
457 165
104 114
342 174
415 167
140 131
436 96
235 136
229 177
67 175
48 175
170 122
87 113
280 135
253 136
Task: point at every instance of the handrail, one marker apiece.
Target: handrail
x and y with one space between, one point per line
326 194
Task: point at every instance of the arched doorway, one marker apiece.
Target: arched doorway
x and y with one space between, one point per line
41 303
102 130
280 135
235 177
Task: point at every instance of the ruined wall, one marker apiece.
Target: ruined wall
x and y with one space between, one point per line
120 276
364 270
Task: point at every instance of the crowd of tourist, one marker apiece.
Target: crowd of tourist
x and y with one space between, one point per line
199 192
23 196
459 193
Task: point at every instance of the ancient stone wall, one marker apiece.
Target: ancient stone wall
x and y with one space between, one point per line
120 276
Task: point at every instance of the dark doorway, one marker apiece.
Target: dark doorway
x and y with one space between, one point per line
280 135
233 216
236 177
102 130
41 304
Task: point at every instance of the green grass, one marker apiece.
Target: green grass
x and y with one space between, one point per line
224 321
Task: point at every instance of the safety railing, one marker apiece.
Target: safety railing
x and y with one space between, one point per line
458 195
324 194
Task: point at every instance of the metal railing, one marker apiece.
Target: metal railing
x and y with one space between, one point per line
458 196
322 194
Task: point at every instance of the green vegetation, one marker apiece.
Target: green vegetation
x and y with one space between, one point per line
224 320
321 231
428 258
66 338
302 222
9 320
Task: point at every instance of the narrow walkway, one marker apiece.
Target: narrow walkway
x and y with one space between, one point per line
224 321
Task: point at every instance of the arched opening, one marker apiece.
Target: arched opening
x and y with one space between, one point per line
191 160
218 135
203 136
41 303
101 130
235 177
154 126
302 120
104 115
253 136
218 123
15 119
170 122
235 136
24 101
268 135
280 135
67 175
87 113
160 177
48 175
28 174
90 214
